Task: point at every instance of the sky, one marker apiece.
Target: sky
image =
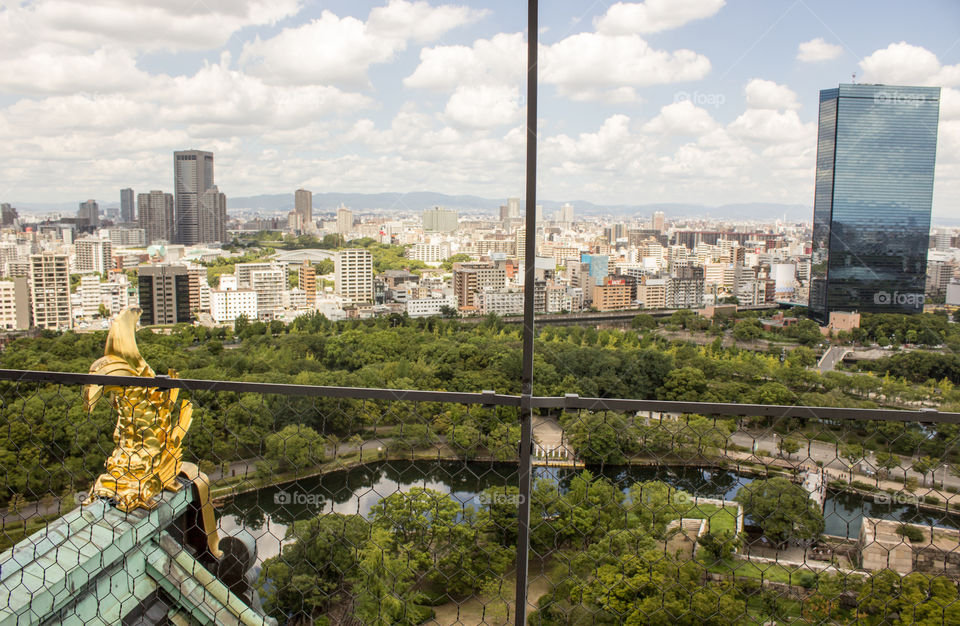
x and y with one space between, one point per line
692 101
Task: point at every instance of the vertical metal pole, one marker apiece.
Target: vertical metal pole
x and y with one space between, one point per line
530 258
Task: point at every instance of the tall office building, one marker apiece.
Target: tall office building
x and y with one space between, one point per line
513 208
212 209
155 211
164 294
565 214
94 255
344 220
303 206
876 149
354 274
659 221
50 290
127 209
192 175
8 214
88 215
439 220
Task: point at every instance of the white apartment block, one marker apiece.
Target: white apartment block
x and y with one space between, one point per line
426 307
269 284
14 304
243 272
354 274
125 237
652 293
89 294
94 255
227 306
500 302
429 252
295 299
50 290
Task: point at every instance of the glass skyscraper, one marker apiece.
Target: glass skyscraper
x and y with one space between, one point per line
876 149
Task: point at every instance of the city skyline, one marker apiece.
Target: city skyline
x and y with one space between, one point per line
718 115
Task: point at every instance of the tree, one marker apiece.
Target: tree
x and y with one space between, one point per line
295 447
853 453
383 585
923 466
720 546
788 445
103 311
600 438
310 573
782 509
644 321
887 461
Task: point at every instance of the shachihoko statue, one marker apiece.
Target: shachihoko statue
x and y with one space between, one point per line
148 455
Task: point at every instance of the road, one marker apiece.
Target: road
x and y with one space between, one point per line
831 357
829 455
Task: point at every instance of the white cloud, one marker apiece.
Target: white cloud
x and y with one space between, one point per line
483 106
653 16
329 49
500 59
818 50
766 94
40 71
418 20
341 50
681 118
588 61
905 64
769 126
135 24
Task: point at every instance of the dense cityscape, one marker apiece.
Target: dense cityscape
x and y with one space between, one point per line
245 396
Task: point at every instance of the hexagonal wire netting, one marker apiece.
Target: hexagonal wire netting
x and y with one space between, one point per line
385 506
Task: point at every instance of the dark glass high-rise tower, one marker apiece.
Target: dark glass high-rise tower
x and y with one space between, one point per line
192 175
876 149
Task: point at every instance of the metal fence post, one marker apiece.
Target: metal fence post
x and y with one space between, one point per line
530 258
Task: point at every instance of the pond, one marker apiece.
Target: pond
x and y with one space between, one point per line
267 512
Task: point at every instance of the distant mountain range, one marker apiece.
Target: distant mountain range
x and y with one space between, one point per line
417 201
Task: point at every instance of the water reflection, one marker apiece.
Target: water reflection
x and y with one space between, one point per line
268 512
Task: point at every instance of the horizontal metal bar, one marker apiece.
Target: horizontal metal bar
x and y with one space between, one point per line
570 401
760 410
193 384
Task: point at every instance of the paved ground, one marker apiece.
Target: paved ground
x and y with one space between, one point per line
831 357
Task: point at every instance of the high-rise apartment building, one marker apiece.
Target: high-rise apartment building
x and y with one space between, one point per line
212 209
876 149
472 278
50 290
269 285
88 216
156 216
354 274
513 208
439 220
565 214
344 220
307 279
94 255
164 294
303 206
192 175
128 211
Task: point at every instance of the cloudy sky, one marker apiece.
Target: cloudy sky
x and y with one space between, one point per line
705 101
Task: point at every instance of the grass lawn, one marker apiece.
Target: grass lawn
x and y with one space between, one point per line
722 519
759 571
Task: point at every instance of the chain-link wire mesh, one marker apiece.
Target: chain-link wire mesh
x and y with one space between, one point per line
383 507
